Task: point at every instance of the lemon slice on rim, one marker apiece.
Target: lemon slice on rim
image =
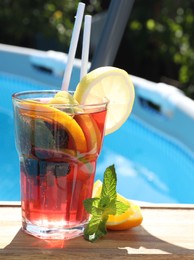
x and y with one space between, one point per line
129 219
114 84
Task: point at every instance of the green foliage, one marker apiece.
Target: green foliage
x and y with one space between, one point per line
26 23
158 43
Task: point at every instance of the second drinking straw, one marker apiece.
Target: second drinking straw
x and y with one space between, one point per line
73 46
85 45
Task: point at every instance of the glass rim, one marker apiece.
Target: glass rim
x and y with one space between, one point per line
16 97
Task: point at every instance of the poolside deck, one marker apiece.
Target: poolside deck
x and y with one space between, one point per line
167 232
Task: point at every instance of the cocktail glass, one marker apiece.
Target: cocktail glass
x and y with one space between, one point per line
58 146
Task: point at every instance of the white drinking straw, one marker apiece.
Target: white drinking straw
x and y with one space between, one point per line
85 45
73 46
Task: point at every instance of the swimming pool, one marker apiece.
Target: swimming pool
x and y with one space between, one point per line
152 164
152 167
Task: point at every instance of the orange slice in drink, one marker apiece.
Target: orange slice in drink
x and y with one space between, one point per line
91 132
85 121
48 113
129 219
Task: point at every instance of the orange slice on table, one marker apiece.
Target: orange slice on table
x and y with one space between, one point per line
129 219
48 113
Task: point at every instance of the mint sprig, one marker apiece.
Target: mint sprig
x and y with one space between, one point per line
100 208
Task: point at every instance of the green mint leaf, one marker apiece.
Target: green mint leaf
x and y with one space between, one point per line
109 183
34 132
120 208
101 208
108 207
104 202
91 205
96 228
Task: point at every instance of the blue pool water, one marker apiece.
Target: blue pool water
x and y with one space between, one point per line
150 166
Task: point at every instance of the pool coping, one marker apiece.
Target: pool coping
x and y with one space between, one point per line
140 203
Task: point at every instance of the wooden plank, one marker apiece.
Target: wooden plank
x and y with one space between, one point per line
165 232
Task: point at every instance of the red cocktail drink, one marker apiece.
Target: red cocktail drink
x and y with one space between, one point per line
58 146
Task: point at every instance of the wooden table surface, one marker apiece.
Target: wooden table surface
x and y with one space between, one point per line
167 232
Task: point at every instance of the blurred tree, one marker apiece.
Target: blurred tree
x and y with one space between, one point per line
37 24
158 43
40 24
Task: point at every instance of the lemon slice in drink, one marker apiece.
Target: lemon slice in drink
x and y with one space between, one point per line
132 217
63 97
114 84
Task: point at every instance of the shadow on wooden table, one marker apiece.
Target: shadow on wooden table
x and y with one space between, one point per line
118 244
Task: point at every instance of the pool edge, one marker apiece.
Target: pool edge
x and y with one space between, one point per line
142 204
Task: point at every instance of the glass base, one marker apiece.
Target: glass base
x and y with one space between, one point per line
53 233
